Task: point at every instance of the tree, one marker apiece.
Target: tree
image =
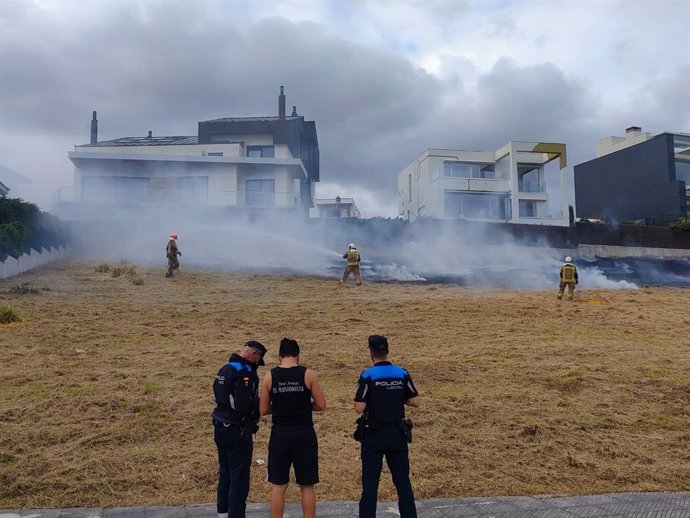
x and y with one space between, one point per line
17 221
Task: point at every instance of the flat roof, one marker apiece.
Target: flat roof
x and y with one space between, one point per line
146 141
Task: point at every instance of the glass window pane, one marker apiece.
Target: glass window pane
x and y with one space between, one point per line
468 170
474 205
453 204
131 190
261 151
527 209
260 193
98 188
683 172
488 171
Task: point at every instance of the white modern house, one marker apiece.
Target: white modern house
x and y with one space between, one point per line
253 163
505 185
334 208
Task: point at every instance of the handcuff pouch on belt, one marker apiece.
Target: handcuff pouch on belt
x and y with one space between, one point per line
248 425
406 426
362 425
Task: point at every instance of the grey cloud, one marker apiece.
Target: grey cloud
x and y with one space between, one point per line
143 67
664 104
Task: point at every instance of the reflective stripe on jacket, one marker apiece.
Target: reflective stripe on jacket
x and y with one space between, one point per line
352 257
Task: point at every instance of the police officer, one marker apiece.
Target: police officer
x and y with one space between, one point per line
234 421
382 392
569 278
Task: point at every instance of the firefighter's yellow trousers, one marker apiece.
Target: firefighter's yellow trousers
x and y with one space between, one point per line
351 269
571 290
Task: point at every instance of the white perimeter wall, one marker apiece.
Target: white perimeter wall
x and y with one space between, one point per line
25 262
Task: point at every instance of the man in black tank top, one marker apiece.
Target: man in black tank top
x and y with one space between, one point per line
290 392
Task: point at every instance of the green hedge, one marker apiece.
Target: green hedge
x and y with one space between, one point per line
681 225
24 226
12 237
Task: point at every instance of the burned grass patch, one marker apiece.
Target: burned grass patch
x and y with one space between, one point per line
513 401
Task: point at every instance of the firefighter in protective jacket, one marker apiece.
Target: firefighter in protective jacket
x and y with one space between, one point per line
568 278
353 260
171 252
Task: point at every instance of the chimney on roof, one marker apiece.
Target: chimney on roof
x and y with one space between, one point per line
94 128
281 104
633 129
150 133
294 112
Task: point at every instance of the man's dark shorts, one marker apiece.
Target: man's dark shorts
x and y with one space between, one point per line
297 447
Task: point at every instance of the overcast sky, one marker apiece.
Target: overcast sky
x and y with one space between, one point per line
383 79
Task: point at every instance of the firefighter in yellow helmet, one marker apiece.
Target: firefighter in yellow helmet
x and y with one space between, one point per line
568 278
353 260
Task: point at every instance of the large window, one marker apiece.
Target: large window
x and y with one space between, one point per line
123 190
193 189
529 179
528 209
132 190
261 151
260 193
474 205
98 189
469 170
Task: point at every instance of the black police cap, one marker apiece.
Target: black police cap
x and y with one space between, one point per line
259 348
378 343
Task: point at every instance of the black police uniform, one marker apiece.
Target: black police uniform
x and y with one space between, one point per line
234 421
384 388
293 439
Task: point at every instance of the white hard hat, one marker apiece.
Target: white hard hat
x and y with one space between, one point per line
568 259
352 245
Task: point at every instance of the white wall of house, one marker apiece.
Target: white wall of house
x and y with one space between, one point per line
226 181
611 144
423 186
222 186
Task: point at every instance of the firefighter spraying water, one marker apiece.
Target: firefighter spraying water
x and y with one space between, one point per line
353 260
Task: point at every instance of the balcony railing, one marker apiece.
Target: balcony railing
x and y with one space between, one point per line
176 197
531 186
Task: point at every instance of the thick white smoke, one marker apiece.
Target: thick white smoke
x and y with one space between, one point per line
483 256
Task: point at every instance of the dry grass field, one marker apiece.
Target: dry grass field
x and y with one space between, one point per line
106 385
